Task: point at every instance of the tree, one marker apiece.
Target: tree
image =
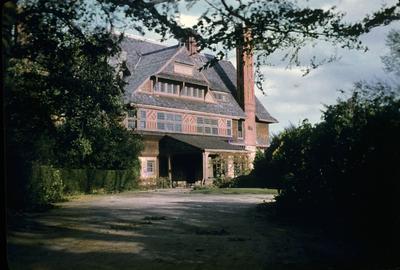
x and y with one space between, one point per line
275 26
63 99
392 60
343 172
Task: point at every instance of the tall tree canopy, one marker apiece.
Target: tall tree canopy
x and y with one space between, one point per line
62 89
63 100
276 25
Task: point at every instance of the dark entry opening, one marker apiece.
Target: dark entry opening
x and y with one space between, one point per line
187 167
163 169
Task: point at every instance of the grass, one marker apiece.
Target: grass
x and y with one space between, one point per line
235 191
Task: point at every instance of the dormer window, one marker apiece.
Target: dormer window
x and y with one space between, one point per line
220 96
167 87
183 69
191 90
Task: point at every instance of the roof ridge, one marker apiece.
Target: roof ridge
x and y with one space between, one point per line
160 50
141 38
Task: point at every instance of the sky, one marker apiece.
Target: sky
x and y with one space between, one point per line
291 97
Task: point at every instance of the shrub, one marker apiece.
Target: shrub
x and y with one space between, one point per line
163 182
344 169
46 185
49 184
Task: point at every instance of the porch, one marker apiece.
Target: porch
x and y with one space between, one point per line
200 159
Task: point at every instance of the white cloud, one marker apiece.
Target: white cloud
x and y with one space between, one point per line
188 20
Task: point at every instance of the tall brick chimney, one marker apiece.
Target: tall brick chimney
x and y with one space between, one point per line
191 45
245 87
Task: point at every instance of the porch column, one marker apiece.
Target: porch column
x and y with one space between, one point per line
205 167
230 167
169 170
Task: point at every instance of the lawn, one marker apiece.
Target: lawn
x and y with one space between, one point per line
235 191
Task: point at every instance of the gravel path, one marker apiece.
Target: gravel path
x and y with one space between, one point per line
161 230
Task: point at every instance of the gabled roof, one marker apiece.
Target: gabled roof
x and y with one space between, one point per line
145 59
148 64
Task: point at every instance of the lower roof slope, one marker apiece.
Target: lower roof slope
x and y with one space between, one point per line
206 142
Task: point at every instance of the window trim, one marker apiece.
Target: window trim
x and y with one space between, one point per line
240 124
229 127
223 96
167 87
189 89
201 124
142 119
176 121
153 166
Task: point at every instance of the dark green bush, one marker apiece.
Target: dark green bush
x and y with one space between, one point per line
49 184
46 185
343 170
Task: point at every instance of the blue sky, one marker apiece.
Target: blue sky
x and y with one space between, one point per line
290 97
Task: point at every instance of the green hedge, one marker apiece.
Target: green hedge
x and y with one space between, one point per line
49 184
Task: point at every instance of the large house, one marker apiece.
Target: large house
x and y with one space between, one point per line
196 125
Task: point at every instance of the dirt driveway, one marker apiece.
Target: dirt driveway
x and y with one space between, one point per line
162 230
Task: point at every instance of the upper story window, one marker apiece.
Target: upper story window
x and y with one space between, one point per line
167 87
142 119
131 119
169 122
193 91
240 129
183 69
207 125
229 127
220 96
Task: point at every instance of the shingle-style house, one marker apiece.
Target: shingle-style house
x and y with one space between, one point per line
196 125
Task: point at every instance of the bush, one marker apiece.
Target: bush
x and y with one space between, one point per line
163 182
46 185
49 184
247 181
344 169
222 182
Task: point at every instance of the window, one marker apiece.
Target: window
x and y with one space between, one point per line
167 87
220 96
240 129
169 122
131 119
142 119
131 123
229 127
207 125
150 166
193 91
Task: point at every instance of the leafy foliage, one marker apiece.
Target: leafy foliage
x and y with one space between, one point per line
343 170
63 102
392 60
